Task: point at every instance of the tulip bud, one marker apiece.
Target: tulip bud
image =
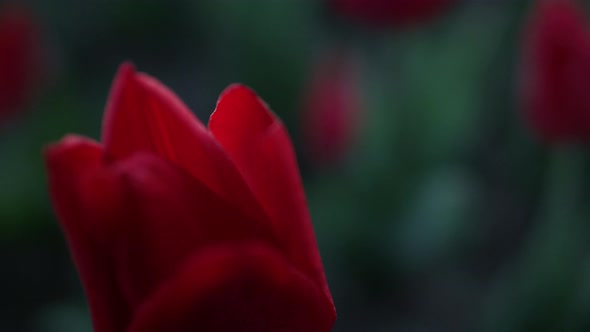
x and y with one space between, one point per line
175 226
391 12
556 72
20 61
331 107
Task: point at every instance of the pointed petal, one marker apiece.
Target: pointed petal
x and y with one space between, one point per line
260 147
68 163
144 115
247 287
162 216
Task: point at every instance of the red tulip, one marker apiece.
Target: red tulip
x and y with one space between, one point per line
556 71
391 12
176 227
19 58
331 109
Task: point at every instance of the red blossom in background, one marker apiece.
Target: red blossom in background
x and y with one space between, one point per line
331 109
391 12
20 58
176 227
556 71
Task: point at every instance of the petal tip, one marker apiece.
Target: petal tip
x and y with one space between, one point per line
239 104
234 90
124 77
126 68
69 144
236 87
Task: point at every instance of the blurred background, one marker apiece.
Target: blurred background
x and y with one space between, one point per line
436 206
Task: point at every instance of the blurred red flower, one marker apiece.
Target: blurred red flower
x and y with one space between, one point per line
556 71
20 60
176 227
391 12
331 109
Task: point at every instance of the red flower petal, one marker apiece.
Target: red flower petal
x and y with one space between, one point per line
68 163
247 287
160 216
260 147
144 115
556 71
